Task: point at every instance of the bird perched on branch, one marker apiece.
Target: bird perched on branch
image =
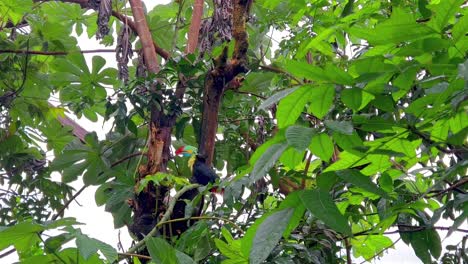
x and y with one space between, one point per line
201 173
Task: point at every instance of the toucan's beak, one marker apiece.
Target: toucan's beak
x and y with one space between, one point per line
179 151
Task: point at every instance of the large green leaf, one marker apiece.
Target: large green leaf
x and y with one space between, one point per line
343 127
266 161
322 146
303 69
400 27
321 99
276 97
356 98
22 235
299 137
443 12
293 200
321 205
362 181
89 246
161 252
291 107
268 234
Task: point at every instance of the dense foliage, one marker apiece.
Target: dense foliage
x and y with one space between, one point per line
349 123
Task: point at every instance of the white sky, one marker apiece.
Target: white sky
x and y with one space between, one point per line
99 224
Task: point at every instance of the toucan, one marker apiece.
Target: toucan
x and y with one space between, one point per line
201 173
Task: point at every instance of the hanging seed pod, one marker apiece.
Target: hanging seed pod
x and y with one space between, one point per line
104 13
124 51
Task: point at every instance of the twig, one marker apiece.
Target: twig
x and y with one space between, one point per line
165 217
67 203
127 255
348 252
51 53
306 170
127 157
410 229
278 70
454 186
251 94
202 218
7 253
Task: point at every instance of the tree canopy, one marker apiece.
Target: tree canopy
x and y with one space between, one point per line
333 124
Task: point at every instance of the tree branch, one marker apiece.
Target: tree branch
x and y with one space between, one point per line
142 29
194 29
53 53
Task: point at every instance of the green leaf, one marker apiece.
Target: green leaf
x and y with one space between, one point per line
303 69
160 251
369 246
321 99
299 137
356 98
443 12
362 181
291 107
293 200
425 243
276 97
22 235
401 27
268 234
322 146
343 127
338 75
459 29
320 204
89 246
347 160
266 161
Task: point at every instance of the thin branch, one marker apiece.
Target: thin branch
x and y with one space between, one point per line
54 53
306 170
454 186
67 203
203 218
128 255
410 229
250 93
128 157
7 253
142 29
165 217
278 70
348 252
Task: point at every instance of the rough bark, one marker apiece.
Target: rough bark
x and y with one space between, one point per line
217 79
